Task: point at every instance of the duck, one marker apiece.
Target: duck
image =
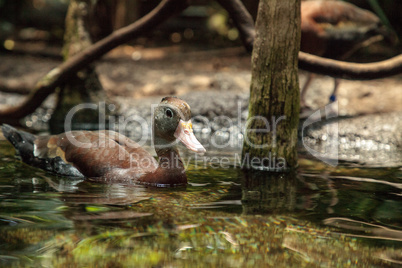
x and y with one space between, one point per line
335 30
110 157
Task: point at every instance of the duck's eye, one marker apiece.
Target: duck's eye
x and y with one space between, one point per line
169 113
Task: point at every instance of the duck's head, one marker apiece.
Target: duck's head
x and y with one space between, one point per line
172 121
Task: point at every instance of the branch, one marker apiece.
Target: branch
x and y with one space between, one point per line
60 74
20 89
242 20
350 70
312 63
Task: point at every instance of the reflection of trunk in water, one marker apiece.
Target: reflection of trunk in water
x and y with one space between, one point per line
264 192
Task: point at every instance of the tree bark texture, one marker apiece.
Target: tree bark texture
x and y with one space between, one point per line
271 130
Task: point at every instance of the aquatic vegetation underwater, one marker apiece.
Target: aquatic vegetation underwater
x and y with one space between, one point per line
320 216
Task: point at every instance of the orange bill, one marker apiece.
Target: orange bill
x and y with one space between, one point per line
184 133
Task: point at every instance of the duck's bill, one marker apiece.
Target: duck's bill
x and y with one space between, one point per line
184 133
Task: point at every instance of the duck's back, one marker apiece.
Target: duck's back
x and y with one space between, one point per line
83 153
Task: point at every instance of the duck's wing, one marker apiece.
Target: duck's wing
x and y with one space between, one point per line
24 144
95 154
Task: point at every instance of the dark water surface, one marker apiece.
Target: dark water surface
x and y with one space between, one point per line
318 217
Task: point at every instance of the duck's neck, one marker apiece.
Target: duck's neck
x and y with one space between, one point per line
171 169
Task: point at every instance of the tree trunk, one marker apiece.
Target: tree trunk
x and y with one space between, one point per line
83 87
271 132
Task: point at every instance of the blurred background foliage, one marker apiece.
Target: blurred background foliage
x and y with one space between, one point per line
205 22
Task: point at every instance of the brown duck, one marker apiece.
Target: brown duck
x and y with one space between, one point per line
108 156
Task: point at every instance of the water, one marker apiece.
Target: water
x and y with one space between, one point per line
320 216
